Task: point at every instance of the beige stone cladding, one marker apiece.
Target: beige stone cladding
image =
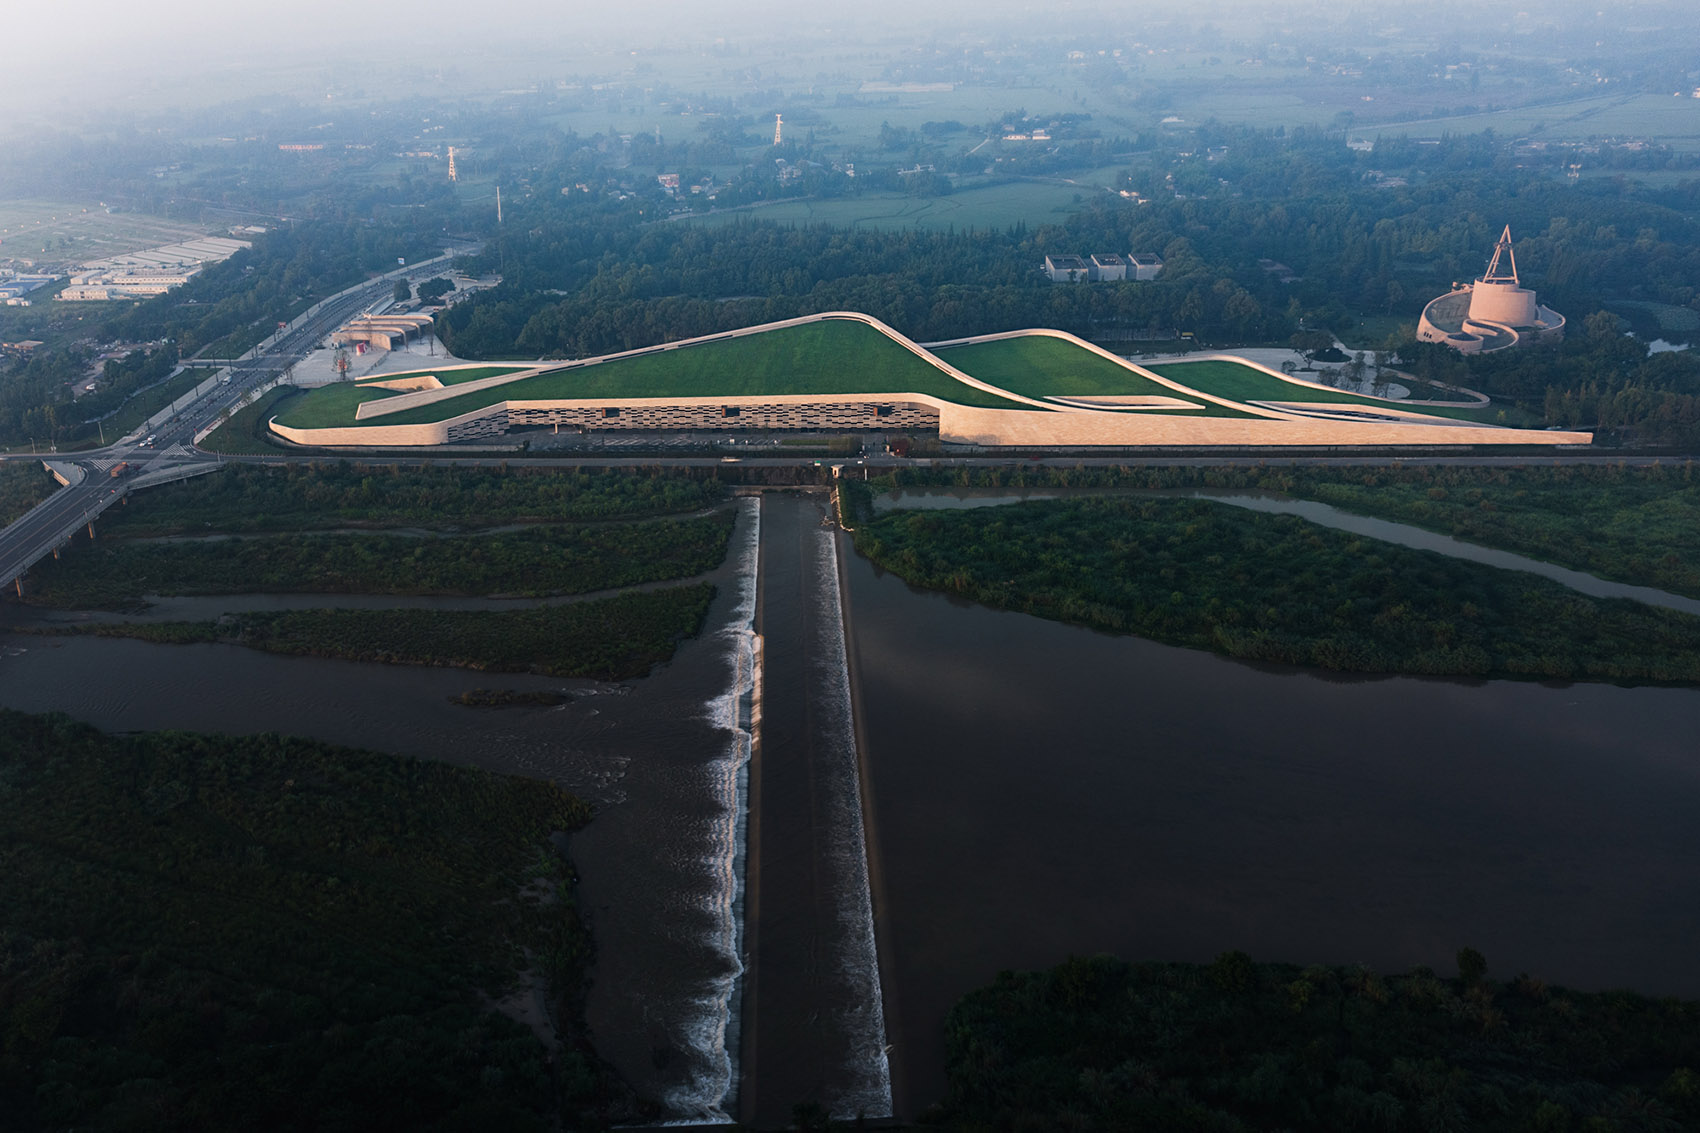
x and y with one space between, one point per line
1003 427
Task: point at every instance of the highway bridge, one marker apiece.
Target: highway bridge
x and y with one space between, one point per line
89 488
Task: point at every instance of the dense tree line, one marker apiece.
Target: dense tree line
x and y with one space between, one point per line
1237 1046
224 310
533 561
1597 378
23 484
1638 524
246 498
1260 230
272 933
1277 588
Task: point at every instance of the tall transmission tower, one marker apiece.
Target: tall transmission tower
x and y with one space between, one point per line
452 175
778 128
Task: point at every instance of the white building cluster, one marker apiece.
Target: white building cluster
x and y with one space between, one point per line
140 275
1103 267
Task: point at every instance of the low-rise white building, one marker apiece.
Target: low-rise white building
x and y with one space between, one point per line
1067 269
1107 267
1145 265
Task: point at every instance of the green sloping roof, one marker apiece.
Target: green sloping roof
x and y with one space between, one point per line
1239 382
1040 366
833 356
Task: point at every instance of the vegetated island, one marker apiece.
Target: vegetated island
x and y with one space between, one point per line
23 484
510 698
533 561
609 639
1637 524
271 933
1273 588
1239 1046
249 499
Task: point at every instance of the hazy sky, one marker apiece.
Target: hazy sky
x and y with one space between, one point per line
142 54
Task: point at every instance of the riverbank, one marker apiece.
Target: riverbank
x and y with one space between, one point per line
611 639
658 757
1274 588
1035 1048
1043 790
1635 524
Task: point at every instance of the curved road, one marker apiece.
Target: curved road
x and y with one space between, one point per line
173 455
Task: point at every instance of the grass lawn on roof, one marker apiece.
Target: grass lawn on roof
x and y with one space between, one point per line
1239 382
330 406
1040 366
824 358
448 377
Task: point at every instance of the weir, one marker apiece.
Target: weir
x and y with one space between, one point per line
814 1024
737 711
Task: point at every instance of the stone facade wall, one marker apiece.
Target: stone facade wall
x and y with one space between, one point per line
823 415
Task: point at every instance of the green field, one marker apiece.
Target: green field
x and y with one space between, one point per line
828 357
995 206
1039 366
1655 117
62 231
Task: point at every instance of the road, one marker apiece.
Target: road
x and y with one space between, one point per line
173 453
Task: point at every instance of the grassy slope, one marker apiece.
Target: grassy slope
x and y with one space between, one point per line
269 933
835 356
1242 383
1275 588
1040 366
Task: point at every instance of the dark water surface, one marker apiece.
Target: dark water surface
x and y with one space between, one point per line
1039 790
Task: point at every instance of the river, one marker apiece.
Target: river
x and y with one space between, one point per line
1032 790
1040 790
664 760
